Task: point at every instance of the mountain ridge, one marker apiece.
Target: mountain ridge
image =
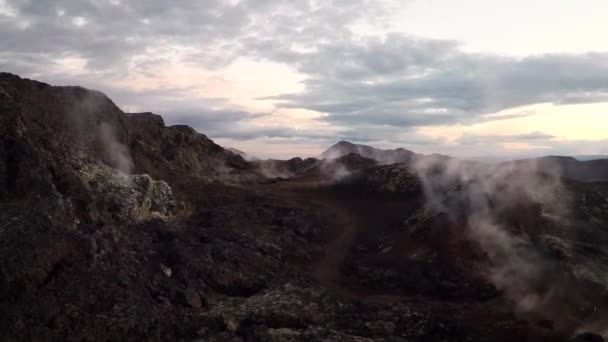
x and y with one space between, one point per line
568 166
342 148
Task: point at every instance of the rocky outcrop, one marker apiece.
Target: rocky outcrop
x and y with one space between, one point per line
299 312
166 151
330 171
76 126
130 198
293 167
387 179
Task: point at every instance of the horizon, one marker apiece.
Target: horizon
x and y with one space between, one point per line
279 80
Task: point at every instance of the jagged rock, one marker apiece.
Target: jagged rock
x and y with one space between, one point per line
129 198
288 306
164 151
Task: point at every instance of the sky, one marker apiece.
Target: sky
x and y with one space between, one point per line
279 78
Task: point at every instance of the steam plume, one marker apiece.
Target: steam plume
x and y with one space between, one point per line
116 153
483 197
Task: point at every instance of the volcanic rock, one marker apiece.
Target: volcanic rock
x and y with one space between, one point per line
114 226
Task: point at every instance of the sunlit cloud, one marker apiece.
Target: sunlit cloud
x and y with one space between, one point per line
258 74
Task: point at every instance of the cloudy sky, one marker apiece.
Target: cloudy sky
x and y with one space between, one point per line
278 78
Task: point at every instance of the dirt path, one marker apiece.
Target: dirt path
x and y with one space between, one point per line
327 271
346 225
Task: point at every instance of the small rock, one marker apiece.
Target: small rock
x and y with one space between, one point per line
386 250
166 270
193 298
232 323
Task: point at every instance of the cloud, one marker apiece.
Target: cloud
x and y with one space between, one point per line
241 125
213 32
403 81
111 32
531 137
370 86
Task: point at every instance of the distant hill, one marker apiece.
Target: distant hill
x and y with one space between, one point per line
586 157
343 148
569 167
581 168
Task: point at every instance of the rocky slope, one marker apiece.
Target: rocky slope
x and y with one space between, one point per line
165 151
116 227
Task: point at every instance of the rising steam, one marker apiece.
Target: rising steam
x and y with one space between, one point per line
116 153
485 199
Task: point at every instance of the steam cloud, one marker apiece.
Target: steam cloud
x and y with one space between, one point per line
482 198
116 153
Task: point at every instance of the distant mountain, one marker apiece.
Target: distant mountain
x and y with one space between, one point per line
586 157
343 148
503 159
569 167
584 170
